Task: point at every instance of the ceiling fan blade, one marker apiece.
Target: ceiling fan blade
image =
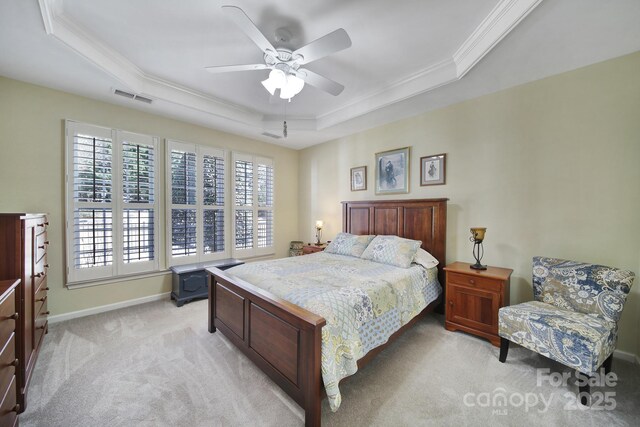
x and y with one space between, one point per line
331 43
249 28
320 82
228 68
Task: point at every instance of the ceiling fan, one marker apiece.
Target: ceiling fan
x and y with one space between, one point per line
285 65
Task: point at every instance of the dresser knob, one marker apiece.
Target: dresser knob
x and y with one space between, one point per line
46 266
473 282
39 275
40 327
15 316
44 224
15 362
46 289
41 247
46 313
41 299
16 408
451 303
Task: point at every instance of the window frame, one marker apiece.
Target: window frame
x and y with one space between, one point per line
118 267
199 256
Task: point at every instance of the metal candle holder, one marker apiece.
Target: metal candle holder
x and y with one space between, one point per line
477 236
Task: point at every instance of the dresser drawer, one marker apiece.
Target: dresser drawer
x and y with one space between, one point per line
8 363
41 245
40 271
41 296
8 408
485 283
41 287
8 316
40 324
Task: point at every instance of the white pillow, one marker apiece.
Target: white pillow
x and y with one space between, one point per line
425 259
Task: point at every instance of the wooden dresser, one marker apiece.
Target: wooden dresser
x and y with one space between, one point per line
473 298
23 255
9 407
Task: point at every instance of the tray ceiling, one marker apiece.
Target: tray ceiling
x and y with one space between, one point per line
402 51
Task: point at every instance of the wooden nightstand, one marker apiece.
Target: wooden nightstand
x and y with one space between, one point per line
313 248
473 298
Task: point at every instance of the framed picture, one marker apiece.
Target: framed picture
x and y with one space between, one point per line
359 178
392 171
432 169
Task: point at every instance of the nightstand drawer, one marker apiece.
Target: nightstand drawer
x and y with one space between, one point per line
475 281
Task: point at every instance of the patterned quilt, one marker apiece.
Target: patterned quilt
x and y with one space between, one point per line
363 302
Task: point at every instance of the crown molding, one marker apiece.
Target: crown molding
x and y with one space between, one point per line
502 19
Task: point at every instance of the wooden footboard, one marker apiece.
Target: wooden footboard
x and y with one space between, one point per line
281 338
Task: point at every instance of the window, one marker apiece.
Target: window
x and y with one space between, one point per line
197 203
252 205
111 202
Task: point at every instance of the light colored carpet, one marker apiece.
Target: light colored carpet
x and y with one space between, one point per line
157 365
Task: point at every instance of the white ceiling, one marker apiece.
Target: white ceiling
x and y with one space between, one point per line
407 57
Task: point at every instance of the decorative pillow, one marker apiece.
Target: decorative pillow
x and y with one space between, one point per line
349 244
425 259
392 250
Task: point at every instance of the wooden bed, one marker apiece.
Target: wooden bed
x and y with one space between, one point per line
283 339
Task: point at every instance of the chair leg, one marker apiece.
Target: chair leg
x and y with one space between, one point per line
607 364
585 389
504 349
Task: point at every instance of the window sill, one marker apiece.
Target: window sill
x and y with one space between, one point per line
119 279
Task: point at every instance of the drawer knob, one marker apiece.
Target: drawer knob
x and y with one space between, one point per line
46 313
15 316
451 303
46 242
15 362
473 282
42 299
40 327
16 408
41 247
44 224
39 275
46 289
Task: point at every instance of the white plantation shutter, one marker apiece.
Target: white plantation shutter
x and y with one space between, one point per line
213 193
139 209
109 224
253 205
197 204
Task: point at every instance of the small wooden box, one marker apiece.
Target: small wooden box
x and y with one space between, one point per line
473 298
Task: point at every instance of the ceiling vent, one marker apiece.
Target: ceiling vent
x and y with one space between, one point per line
271 135
133 96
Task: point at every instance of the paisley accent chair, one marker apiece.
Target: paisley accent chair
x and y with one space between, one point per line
574 318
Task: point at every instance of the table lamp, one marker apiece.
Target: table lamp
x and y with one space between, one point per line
319 225
477 236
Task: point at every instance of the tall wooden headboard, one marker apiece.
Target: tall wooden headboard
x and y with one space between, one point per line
417 219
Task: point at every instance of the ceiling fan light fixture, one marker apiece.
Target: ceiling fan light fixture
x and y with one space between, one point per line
292 88
269 85
278 78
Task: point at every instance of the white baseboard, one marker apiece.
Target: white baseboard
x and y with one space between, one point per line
628 357
104 308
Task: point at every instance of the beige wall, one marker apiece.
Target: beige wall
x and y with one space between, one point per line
32 175
550 168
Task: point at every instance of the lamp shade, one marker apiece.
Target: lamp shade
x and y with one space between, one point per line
477 233
319 223
269 85
293 87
